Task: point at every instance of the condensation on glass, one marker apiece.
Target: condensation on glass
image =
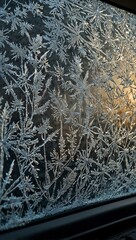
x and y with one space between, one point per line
67 106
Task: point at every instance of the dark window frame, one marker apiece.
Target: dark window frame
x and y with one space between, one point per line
97 222
128 5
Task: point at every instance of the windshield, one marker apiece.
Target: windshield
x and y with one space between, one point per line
67 107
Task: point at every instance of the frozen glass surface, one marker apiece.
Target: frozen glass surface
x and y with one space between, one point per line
67 106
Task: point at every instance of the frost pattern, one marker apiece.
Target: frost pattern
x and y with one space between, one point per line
67 106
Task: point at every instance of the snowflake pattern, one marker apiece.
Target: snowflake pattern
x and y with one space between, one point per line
67 107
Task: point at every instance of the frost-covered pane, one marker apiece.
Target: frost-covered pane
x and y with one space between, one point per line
67 106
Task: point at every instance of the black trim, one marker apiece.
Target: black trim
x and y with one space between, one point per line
101 221
128 5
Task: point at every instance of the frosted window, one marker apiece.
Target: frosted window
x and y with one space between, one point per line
67 106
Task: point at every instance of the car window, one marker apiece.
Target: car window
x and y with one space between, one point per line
67 107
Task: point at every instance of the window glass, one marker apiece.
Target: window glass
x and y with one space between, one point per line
67 106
